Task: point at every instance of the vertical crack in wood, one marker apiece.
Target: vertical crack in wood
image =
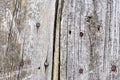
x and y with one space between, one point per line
21 61
56 46
17 6
12 41
54 36
10 29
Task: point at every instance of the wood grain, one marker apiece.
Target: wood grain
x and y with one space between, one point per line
25 48
90 40
59 39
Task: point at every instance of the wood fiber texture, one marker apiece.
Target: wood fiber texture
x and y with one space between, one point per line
26 39
59 39
90 40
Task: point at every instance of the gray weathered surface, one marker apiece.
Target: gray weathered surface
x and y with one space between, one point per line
24 48
59 39
94 54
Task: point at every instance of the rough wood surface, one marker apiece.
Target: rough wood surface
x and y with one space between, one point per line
59 39
26 39
90 40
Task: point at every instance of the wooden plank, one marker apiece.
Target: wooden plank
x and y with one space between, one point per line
90 40
26 43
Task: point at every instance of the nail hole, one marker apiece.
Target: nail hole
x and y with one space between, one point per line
89 17
37 25
81 34
113 68
98 27
81 71
69 31
38 67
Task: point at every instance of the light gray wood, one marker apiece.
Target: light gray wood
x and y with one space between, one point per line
95 55
26 52
59 40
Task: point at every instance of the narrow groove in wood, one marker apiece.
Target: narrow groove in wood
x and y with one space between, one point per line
61 9
54 36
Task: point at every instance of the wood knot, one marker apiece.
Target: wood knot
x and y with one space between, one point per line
113 68
81 71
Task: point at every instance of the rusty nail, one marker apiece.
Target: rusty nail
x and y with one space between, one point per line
81 34
46 64
113 68
81 71
69 31
37 25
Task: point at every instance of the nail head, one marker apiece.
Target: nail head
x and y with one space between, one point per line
81 71
46 64
37 25
113 68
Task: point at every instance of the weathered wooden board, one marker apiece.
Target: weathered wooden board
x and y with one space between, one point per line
26 39
90 40
59 40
